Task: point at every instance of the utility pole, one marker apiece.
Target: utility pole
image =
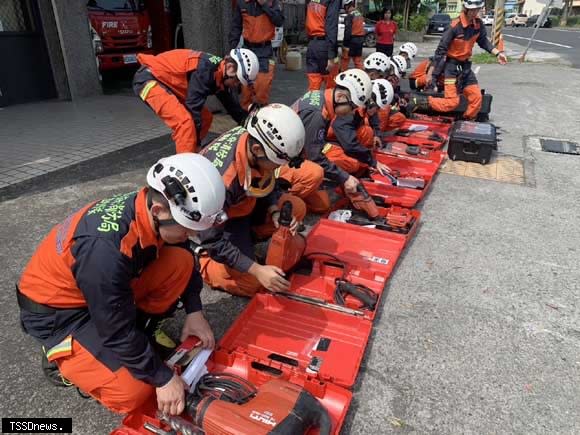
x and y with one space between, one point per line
499 21
538 24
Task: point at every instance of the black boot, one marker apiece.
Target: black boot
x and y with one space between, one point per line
52 373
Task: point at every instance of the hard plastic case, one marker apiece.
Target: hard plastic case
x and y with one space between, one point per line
472 142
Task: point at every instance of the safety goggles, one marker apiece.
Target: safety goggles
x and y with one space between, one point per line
240 64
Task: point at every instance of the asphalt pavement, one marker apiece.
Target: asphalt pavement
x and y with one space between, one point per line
479 331
563 42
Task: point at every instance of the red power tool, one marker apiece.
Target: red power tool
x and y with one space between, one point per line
224 404
361 200
285 249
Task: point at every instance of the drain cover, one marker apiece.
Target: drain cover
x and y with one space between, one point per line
560 146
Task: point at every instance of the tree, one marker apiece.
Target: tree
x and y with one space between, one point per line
567 6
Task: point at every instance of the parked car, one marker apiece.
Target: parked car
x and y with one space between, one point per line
487 20
509 19
439 23
534 18
370 36
519 20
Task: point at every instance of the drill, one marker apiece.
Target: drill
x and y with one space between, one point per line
227 404
285 249
361 200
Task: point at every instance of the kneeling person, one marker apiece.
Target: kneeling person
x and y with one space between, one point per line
247 159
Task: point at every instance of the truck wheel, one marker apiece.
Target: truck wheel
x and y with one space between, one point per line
371 40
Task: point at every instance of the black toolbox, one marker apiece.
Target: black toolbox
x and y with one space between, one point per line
472 141
482 116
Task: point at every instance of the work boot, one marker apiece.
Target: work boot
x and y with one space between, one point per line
417 103
52 373
162 343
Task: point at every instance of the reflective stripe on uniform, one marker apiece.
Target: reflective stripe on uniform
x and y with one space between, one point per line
326 148
64 348
143 94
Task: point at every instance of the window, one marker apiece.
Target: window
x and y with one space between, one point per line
15 16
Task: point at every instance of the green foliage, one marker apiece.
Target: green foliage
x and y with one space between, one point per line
485 58
573 21
555 20
418 23
398 18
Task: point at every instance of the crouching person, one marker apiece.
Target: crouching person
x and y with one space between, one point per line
247 159
99 282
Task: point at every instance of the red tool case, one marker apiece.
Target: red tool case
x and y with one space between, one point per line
351 260
258 371
290 332
384 192
435 137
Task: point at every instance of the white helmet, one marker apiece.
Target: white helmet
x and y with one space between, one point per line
345 3
280 131
193 187
378 61
248 65
383 92
395 68
473 4
409 48
358 83
400 62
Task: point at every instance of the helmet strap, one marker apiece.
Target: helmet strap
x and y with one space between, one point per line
347 103
156 221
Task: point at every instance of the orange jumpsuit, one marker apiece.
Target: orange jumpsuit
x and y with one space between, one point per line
176 85
452 60
257 23
98 271
230 249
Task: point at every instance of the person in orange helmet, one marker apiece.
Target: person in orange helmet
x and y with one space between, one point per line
176 84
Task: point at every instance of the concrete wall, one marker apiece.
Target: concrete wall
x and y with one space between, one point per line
54 50
77 49
206 24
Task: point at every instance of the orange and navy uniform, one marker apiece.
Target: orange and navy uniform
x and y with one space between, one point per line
418 78
332 140
322 32
229 154
97 270
230 249
257 24
354 34
176 85
451 59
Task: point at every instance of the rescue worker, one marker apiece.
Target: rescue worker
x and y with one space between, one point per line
382 97
101 277
322 31
256 21
395 118
176 84
354 36
330 116
452 60
377 65
247 159
418 78
408 51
